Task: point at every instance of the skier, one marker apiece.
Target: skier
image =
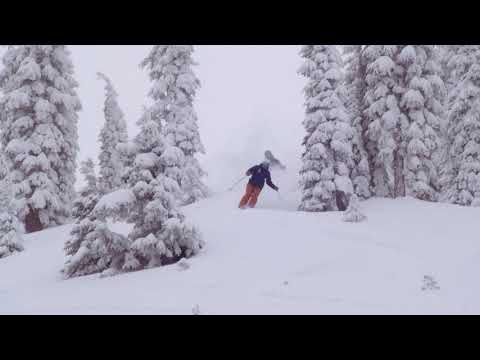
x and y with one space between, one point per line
259 174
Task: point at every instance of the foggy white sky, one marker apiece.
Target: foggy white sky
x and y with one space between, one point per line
250 101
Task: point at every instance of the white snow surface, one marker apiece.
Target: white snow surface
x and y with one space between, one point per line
273 260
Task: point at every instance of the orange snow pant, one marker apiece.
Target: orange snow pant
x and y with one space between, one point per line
251 196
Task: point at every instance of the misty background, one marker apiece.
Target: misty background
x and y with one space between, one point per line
250 101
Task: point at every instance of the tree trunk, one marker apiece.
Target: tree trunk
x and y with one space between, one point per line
32 222
342 201
399 181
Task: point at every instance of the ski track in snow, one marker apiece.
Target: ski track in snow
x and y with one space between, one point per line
273 260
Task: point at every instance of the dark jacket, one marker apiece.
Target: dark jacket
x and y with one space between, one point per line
259 175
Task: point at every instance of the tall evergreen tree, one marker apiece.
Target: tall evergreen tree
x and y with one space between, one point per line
173 92
39 121
160 234
446 52
422 103
384 119
404 109
328 158
355 88
113 134
464 127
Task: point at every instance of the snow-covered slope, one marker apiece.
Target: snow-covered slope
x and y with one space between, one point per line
274 260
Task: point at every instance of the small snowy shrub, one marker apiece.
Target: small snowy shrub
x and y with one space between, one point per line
10 238
353 212
429 283
93 248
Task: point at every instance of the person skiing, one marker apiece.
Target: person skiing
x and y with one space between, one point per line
259 175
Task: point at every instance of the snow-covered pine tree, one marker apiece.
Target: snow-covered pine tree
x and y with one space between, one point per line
39 132
87 169
173 92
355 91
10 234
384 120
93 248
160 234
464 127
127 153
89 194
5 191
327 160
128 150
113 134
446 52
422 103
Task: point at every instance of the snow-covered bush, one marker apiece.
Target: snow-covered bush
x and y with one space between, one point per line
328 159
429 283
93 248
353 212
